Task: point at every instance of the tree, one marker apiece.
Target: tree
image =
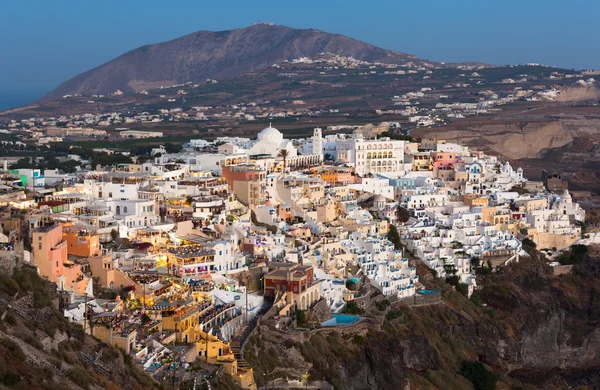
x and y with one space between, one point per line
96 286
394 237
402 214
173 148
283 153
301 319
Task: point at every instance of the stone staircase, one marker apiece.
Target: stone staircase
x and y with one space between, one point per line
236 349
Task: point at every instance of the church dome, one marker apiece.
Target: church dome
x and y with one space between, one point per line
271 135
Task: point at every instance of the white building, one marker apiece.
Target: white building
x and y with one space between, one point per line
372 156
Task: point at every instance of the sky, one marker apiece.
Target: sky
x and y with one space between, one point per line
43 43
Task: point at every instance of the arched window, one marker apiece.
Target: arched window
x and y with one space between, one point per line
369 155
368 147
118 210
125 209
379 155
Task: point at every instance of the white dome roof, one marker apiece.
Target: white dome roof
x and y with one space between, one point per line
270 134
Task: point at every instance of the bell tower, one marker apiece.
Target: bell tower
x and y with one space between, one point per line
317 141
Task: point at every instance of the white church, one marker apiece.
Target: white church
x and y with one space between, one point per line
270 141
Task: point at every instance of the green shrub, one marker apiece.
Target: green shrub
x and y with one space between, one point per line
14 348
382 304
358 339
11 378
463 289
352 308
393 314
80 377
476 299
301 319
479 375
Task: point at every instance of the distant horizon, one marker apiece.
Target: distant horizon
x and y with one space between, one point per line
51 42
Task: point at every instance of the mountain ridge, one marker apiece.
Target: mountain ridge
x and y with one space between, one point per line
213 54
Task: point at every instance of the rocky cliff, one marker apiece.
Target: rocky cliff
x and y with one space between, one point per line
531 329
39 349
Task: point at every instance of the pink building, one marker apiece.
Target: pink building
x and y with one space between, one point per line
444 160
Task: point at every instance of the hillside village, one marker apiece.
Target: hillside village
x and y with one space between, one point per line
178 258
412 95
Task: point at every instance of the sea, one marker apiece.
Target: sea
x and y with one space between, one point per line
17 98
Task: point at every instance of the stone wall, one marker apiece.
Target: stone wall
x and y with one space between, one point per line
363 301
562 269
319 313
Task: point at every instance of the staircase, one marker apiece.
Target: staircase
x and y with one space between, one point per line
237 352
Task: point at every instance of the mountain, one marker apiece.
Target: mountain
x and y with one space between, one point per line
208 54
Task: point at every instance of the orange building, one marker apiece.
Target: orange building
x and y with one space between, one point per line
80 241
474 200
488 213
335 175
50 256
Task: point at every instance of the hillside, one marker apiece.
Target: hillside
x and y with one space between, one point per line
207 54
525 329
40 349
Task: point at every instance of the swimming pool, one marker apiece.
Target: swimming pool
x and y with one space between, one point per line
341 320
427 292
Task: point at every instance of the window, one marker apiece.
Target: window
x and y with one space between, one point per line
124 209
40 247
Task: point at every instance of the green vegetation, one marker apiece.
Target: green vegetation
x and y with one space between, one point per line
479 375
80 376
382 304
574 255
50 163
394 237
301 319
393 314
528 244
395 136
402 214
352 308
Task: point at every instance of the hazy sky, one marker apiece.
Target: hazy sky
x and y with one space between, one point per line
44 42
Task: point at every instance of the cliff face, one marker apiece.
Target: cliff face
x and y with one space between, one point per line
207 54
533 329
39 349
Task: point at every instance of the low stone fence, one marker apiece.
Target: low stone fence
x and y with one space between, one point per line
562 269
422 299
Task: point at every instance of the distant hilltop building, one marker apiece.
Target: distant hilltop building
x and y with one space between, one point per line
138 134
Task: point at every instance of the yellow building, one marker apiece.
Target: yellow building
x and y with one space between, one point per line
422 162
533 204
122 338
326 210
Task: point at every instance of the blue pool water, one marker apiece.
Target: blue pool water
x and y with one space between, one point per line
341 320
428 292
